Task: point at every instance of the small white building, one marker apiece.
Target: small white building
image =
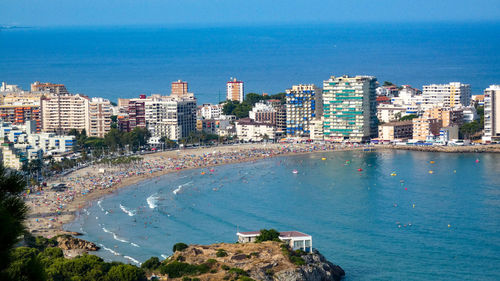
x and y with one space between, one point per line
295 239
248 130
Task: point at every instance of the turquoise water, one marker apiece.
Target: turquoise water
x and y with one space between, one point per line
115 62
364 221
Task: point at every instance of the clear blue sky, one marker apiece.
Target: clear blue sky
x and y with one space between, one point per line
244 12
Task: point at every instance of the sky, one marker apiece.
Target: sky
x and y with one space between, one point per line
240 12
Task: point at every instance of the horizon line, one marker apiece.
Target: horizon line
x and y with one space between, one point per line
249 24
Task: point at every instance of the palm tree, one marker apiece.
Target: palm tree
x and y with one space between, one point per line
13 212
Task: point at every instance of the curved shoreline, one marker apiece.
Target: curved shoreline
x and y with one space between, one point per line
48 222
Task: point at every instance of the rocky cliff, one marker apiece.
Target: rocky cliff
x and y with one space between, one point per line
67 242
255 261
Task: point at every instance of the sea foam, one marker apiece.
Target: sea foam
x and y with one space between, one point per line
152 201
127 211
132 259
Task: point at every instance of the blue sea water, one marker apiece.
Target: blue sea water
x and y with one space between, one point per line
118 62
411 226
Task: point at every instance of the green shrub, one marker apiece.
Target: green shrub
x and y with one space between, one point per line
255 254
221 253
225 267
268 235
151 264
179 247
269 272
180 258
238 271
185 278
297 260
211 262
178 269
126 272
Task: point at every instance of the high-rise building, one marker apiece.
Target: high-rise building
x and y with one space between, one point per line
349 105
235 90
492 113
454 94
179 88
171 117
63 112
303 104
99 117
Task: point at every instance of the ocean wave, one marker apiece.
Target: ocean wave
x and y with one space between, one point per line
132 259
180 187
164 256
127 211
117 238
110 250
135 245
100 206
152 201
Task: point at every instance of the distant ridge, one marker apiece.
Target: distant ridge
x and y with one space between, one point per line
13 27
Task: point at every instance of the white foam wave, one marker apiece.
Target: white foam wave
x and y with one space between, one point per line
180 187
127 211
164 256
100 206
117 238
105 230
152 201
135 245
177 190
132 259
110 250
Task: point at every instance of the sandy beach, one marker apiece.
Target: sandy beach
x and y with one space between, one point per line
50 210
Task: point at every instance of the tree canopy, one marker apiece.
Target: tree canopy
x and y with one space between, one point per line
13 212
268 235
240 110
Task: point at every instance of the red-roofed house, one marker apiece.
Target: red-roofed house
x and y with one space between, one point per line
296 239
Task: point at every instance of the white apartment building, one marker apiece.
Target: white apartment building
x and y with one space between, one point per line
388 112
61 113
492 113
169 116
317 132
470 114
7 88
349 108
210 111
248 130
22 143
64 112
303 104
454 94
408 96
99 113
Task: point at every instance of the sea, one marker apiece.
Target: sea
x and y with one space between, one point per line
114 62
382 215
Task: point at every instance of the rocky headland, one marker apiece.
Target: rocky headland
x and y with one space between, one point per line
249 261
